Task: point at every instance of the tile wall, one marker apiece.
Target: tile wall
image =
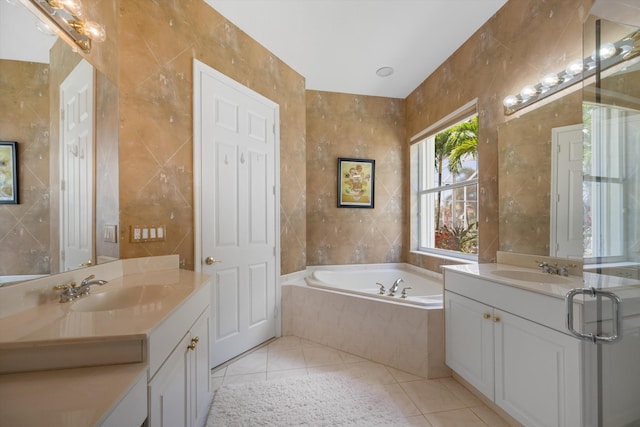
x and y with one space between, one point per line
364 127
157 44
522 42
24 118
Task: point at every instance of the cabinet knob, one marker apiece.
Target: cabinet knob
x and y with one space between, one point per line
486 316
194 343
496 319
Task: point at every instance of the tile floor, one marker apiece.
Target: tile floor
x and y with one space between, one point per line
433 403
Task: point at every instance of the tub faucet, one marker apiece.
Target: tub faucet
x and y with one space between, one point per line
394 287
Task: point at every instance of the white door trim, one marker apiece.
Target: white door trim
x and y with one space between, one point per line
198 69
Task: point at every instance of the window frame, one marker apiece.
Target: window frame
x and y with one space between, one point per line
421 158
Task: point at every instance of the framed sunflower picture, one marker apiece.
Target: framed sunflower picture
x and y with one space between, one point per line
8 172
356 183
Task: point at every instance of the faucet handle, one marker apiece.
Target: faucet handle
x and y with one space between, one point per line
64 286
381 288
404 292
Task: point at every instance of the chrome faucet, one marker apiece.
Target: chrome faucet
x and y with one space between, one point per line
554 269
394 287
549 268
71 291
85 285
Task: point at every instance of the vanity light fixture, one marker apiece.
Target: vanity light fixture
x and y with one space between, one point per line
67 15
610 54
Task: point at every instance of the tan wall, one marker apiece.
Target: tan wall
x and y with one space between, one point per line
353 126
157 44
522 42
24 118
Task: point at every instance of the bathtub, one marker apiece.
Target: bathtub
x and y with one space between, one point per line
425 289
339 306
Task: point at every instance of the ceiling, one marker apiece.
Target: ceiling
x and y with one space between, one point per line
338 45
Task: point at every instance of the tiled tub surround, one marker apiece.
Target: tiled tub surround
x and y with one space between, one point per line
38 333
403 336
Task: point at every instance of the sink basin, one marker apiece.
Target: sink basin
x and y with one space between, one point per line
531 276
121 298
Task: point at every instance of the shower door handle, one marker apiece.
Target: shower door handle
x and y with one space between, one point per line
616 304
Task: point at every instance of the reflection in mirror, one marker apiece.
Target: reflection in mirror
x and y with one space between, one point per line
527 178
32 70
611 170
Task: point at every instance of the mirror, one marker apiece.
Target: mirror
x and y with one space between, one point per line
536 213
30 78
525 174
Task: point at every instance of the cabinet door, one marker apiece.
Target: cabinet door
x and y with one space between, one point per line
537 373
469 341
169 390
199 359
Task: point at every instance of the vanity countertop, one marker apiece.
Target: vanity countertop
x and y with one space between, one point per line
76 397
552 285
87 393
57 322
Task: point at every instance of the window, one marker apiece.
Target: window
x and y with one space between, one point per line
604 183
447 188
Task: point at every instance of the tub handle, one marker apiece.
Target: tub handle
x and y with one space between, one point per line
381 288
404 292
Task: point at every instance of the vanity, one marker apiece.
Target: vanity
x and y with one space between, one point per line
506 337
134 349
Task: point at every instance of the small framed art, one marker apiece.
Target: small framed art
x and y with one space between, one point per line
8 172
355 183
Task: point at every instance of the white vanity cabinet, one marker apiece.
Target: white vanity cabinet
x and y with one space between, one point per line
179 392
523 365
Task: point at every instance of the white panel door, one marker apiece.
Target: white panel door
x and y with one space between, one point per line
76 168
566 203
238 212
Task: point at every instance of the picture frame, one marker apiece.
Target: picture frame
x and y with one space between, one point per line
356 183
9 172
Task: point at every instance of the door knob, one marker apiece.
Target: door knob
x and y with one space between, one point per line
210 260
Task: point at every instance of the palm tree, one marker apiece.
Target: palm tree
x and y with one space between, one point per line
455 144
462 142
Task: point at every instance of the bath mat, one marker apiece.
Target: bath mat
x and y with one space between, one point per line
315 400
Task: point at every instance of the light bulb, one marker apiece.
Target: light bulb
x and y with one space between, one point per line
607 50
510 101
529 91
550 80
74 7
575 67
90 29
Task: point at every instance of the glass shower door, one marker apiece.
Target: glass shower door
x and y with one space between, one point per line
608 311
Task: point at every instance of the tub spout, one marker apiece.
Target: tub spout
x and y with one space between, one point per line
394 287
